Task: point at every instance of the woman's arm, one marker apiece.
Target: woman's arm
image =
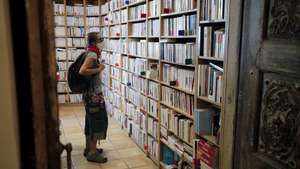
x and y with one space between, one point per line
86 68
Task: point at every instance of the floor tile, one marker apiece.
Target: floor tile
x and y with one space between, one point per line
114 164
79 160
136 161
111 155
130 152
88 166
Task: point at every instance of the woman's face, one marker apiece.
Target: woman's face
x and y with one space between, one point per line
100 43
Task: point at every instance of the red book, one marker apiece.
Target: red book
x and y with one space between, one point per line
143 15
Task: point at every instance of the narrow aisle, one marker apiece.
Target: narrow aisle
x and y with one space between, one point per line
121 151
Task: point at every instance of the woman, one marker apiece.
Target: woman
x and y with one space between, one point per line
96 121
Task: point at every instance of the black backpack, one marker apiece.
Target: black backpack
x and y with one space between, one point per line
78 83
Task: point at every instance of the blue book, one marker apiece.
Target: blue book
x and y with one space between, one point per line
204 121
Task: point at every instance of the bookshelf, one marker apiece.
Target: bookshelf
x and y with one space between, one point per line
145 55
73 19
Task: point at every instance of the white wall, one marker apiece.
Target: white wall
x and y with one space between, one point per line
9 145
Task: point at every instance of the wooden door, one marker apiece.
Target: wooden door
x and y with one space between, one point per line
268 117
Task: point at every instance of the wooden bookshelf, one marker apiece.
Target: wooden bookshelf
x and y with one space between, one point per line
198 101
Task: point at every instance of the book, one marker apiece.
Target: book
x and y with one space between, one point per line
60 42
104 31
153 148
115 17
92 10
75 32
75 98
62 87
181 78
137 12
178 52
180 26
204 121
104 8
114 45
206 154
153 28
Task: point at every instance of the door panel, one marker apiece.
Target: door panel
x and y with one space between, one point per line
268 117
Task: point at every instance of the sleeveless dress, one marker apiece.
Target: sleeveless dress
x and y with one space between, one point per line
96 120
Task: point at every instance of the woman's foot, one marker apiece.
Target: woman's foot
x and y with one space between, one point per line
99 150
96 157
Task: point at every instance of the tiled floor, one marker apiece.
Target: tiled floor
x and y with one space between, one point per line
121 151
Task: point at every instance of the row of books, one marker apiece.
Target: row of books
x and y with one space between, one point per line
105 20
153 90
104 31
92 10
115 45
207 121
71 42
124 30
139 119
138 135
153 127
180 26
59 9
170 6
114 17
179 77
206 155
59 20
178 99
124 15
93 29
62 98
62 87
137 65
111 5
153 50
153 28
75 21
153 8
137 48
178 52
139 29
177 123
212 10
75 31
210 81
153 148
137 12
77 9
115 31
62 66
213 42
153 107
73 53
92 21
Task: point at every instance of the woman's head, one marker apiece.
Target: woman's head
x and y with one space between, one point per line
94 38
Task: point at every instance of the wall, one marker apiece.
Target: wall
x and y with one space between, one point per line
9 145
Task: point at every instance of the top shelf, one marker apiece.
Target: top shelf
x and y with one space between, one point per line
136 3
209 22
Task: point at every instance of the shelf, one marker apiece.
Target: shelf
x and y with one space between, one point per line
74 26
59 25
153 17
154 80
178 64
79 47
180 139
180 37
205 98
163 165
209 138
123 7
179 13
177 88
115 37
137 56
178 152
124 22
153 37
153 159
104 25
140 37
152 116
152 58
62 81
211 58
72 15
75 37
93 16
212 22
103 14
59 14
114 24
152 136
136 3
177 110
137 20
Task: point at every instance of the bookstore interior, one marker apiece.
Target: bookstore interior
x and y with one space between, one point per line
164 71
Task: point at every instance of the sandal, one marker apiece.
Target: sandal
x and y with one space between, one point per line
99 150
96 157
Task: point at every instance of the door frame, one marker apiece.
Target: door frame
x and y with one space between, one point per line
34 54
